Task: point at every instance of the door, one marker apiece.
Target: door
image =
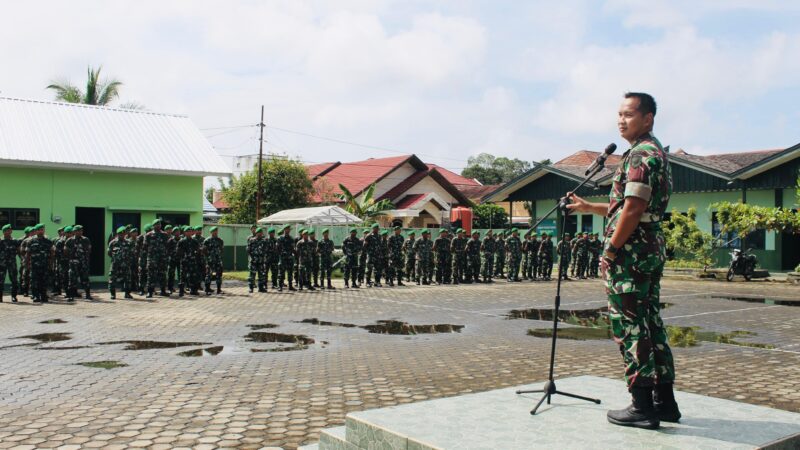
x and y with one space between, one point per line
790 256
93 221
121 219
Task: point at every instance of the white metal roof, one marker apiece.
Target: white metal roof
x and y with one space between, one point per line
317 215
66 135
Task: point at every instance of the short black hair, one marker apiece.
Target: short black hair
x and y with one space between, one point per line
647 104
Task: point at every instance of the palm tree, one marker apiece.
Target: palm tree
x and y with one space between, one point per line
367 208
97 92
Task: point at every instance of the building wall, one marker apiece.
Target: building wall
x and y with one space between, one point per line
393 179
427 185
56 193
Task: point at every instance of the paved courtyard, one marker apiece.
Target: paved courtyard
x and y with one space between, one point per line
253 393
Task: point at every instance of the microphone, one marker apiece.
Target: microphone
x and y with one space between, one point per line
601 160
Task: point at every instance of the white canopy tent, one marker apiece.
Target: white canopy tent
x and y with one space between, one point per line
318 215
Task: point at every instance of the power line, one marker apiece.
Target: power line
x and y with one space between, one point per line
228 128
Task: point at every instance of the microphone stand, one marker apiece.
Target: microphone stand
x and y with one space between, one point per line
549 388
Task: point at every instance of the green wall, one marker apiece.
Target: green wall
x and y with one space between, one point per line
58 192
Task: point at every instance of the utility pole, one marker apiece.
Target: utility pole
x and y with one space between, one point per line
260 157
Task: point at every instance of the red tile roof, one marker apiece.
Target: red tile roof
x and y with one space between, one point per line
727 162
408 201
315 170
357 176
220 204
478 192
453 177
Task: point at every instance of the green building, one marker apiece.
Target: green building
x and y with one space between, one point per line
766 178
63 164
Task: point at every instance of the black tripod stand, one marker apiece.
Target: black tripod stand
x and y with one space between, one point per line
549 388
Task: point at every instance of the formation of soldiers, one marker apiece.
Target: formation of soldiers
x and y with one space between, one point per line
387 256
140 262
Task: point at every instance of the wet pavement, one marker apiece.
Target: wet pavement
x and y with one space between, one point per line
253 370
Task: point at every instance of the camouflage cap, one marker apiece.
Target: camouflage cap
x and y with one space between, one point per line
412 233
184 228
285 227
426 231
120 230
303 231
198 228
325 230
353 230
474 232
158 220
514 230
398 227
271 230
27 229
259 230
133 230
311 231
567 235
6 227
147 227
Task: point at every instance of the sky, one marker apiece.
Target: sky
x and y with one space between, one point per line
442 79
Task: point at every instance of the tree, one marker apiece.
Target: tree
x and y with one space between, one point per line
285 185
489 215
365 207
743 218
684 236
209 193
96 93
489 169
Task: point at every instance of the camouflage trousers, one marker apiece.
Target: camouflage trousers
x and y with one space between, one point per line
563 266
351 269
325 268
594 263
424 270
531 267
573 263
78 275
304 272
190 274
513 266
12 275
315 269
488 266
374 267
214 272
119 276
499 264
362 267
473 270
459 267
272 270
257 274
545 267
442 268
39 275
411 267
396 268
285 269
142 273
156 273
173 271
583 264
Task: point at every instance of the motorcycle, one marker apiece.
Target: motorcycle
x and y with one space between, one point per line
742 263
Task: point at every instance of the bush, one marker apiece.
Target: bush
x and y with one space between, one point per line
684 264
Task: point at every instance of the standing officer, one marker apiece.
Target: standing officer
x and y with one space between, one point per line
325 250
39 257
458 250
173 263
487 247
142 263
396 261
8 262
351 247
441 248
583 255
473 251
546 256
272 257
362 261
564 250
514 250
256 246
58 251
383 261
632 265
372 251
423 249
594 254
155 248
305 258
312 236
24 278
286 248
120 250
500 255
526 239
213 247
411 257
533 258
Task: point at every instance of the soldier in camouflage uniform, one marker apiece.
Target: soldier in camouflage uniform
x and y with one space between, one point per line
9 247
372 250
383 260
564 250
500 255
213 247
173 263
155 249
351 247
583 255
62 262
325 249
423 249
362 261
473 251
411 257
546 257
312 236
305 256
58 250
39 257
133 236
533 258
187 251
595 246
441 249
24 279
632 265
458 251
76 250
256 249
272 257
573 258
526 239
120 250
142 263
514 250
487 248
286 249
396 257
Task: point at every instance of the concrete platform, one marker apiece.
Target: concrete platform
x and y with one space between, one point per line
500 419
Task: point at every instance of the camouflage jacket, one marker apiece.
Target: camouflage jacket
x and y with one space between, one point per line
305 251
564 248
285 245
546 249
441 247
473 247
582 247
351 247
458 245
256 249
488 245
396 245
39 251
408 246
212 248
120 250
423 249
325 249
372 245
74 250
155 245
188 250
514 246
8 252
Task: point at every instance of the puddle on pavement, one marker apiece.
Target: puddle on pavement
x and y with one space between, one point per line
264 336
280 349
92 317
54 321
47 337
76 347
678 336
392 327
102 364
210 351
595 317
32 344
762 300
262 326
151 345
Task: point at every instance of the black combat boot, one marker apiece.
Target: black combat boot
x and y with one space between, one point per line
219 287
310 287
164 292
262 288
400 281
640 413
664 403
330 286
291 288
1 296
113 293
194 291
128 295
87 295
208 289
346 284
150 292
182 291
